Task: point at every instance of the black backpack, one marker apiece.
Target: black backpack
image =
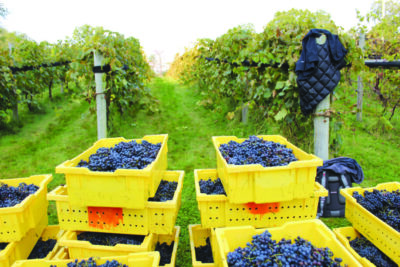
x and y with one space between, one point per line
333 205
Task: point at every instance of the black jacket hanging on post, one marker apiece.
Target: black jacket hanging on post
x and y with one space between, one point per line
318 68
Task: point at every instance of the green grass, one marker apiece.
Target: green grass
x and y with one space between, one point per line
68 128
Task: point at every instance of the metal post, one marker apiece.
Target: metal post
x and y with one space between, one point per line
100 99
321 129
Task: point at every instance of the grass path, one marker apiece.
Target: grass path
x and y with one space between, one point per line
190 128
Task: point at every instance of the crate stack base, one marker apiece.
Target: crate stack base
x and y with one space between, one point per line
383 236
218 211
117 202
22 225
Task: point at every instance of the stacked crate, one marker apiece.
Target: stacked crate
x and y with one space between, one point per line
256 196
22 225
117 202
379 233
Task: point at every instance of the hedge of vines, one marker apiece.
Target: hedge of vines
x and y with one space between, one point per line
270 92
125 84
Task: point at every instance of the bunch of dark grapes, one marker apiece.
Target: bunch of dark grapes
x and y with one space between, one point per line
257 151
3 246
383 204
165 251
367 250
42 249
92 263
106 239
124 155
262 251
11 196
165 191
204 253
212 187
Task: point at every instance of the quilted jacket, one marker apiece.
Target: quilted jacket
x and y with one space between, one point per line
318 68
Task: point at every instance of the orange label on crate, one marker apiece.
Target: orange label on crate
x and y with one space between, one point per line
262 208
104 217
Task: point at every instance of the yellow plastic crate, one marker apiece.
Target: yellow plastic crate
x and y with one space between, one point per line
258 184
217 211
143 259
315 231
80 249
157 217
114 189
343 234
76 249
62 254
16 221
374 229
198 236
19 250
169 239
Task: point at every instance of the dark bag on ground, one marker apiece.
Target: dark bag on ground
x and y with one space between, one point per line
336 174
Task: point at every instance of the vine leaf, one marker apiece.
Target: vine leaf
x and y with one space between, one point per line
281 114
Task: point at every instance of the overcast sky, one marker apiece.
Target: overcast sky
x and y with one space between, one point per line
164 27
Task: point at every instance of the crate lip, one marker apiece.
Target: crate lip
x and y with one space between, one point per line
192 227
60 193
348 194
154 254
20 207
319 190
220 232
65 241
231 168
346 242
67 168
177 230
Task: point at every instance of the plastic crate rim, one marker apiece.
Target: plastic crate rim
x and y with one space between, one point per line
66 167
313 162
26 202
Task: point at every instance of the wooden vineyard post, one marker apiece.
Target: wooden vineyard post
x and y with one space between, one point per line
359 83
321 129
100 99
321 122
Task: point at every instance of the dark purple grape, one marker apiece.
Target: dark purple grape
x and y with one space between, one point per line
124 155
212 187
165 191
263 251
383 204
11 196
165 251
255 150
204 253
42 249
107 239
367 250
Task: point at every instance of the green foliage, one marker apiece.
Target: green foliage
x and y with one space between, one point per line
125 91
383 42
271 93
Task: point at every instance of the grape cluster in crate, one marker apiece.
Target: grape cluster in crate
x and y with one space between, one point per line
118 208
259 208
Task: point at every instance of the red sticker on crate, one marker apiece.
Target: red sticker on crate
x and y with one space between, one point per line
262 208
104 217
